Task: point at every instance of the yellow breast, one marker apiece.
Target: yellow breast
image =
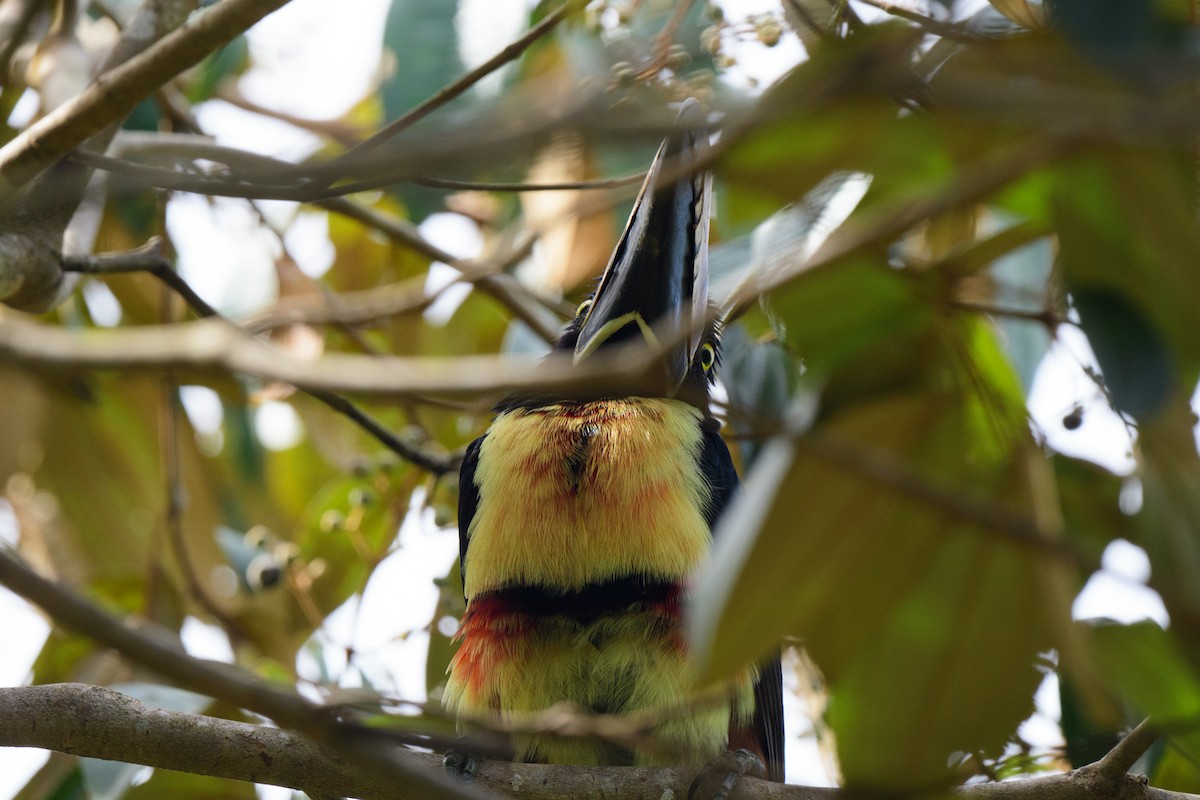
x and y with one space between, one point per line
572 494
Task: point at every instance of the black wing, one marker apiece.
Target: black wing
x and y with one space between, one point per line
765 734
468 501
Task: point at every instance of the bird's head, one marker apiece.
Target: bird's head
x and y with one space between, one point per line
655 287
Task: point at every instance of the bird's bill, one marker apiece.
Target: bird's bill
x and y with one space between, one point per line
656 283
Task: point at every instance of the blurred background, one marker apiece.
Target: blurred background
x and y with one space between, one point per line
304 549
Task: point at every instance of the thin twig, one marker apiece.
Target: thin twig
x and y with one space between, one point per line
212 186
453 90
485 186
807 18
147 258
436 463
1045 317
337 130
891 220
946 30
487 278
192 147
510 294
662 40
150 258
172 468
395 228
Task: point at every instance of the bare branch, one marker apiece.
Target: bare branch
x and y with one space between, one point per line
100 723
150 258
1118 761
168 440
214 186
158 650
219 347
115 93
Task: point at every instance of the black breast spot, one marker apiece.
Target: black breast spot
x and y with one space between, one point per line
579 453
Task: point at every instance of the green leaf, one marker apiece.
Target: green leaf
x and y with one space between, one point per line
1137 366
186 786
422 38
1170 516
108 780
450 607
1022 282
831 316
1174 771
760 378
1090 497
228 62
1129 247
1146 665
875 541
71 787
1086 739
1023 12
349 526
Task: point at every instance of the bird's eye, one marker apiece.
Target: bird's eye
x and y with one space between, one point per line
708 357
583 307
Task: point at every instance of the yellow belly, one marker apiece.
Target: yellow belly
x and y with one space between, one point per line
573 494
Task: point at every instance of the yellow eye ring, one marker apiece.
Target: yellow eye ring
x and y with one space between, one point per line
708 356
583 307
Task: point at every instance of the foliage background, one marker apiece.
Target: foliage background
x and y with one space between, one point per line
907 519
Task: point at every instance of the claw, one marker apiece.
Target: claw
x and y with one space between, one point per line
461 764
716 779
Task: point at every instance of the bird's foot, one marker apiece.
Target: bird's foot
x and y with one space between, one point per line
716 779
461 763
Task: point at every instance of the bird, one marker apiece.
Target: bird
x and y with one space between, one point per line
582 522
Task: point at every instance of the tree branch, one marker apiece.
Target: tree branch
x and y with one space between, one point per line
100 723
159 650
150 258
453 90
116 92
892 219
1118 761
219 347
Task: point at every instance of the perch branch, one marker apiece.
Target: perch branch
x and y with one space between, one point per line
157 649
98 722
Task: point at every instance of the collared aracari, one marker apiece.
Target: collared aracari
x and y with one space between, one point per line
580 523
